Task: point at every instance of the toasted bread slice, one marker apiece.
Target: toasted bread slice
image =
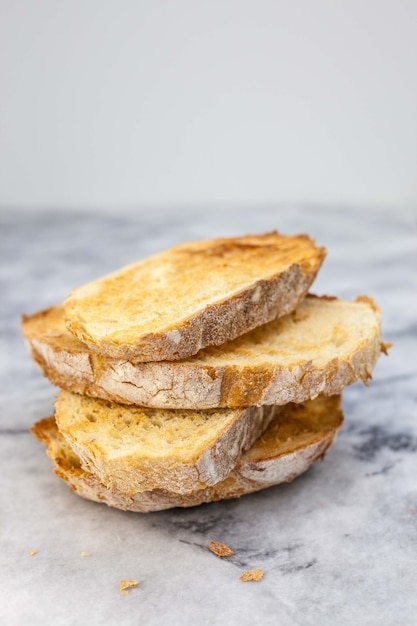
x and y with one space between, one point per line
323 346
197 294
298 436
132 449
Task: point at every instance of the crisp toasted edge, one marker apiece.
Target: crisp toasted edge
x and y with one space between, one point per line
216 323
247 477
191 385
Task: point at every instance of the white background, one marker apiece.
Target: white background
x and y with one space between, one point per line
146 103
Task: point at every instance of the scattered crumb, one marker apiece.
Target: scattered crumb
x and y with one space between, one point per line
220 549
412 509
32 552
252 574
85 554
127 584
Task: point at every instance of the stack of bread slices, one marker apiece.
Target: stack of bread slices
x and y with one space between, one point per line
202 373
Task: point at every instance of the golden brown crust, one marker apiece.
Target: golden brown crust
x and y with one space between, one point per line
192 296
270 365
370 301
135 449
299 437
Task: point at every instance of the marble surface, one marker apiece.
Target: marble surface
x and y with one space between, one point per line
338 546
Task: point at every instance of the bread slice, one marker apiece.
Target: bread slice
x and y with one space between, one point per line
323 346
132 449
172 304
298 436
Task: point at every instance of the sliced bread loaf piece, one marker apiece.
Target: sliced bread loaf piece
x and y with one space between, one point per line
172 304
298 436
132 449
323 346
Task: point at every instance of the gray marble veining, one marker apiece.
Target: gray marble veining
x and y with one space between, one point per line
339 545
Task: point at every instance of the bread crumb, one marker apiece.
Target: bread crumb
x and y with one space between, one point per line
220 549
32 552
85 554
127 584
252 574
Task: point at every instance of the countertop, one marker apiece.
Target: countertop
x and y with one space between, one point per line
338 545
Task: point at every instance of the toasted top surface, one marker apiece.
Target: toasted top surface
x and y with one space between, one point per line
319 330
163 292
293 428
117 431
48 327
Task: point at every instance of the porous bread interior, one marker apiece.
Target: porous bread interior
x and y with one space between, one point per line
292 430
58 448
297 426
165 290
48 327
318 331
116 431
323 346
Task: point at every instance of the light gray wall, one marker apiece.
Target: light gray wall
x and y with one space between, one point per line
113 103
